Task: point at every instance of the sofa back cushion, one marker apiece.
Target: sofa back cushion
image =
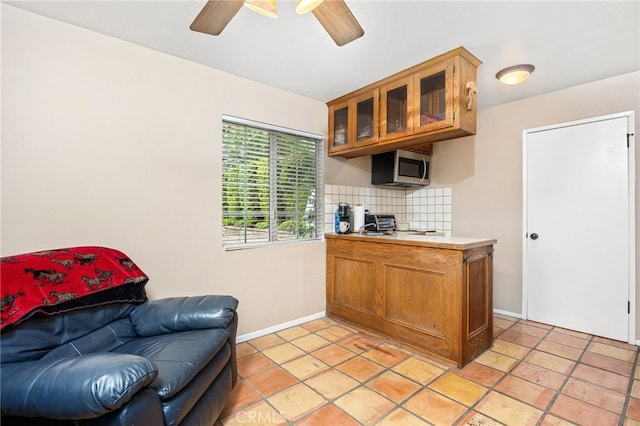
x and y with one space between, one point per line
95 329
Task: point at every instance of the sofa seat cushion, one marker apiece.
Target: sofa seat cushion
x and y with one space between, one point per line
218 369
178 356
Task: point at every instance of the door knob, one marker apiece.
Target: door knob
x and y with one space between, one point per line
534 236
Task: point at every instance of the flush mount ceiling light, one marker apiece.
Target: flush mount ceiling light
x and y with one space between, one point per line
333 15
515 74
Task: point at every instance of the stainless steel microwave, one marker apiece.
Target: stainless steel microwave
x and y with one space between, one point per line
400 169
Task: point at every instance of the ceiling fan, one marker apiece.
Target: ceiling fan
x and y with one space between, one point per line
333 15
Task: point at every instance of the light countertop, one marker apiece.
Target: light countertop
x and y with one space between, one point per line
418 239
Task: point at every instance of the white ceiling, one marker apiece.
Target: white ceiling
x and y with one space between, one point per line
569 42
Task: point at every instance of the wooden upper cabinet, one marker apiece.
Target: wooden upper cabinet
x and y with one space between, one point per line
353 123
429 102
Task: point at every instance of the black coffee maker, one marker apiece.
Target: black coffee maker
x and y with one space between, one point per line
344 216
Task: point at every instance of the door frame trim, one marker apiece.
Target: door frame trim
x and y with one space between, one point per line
631 187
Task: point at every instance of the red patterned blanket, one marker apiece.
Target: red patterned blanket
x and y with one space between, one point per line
54 281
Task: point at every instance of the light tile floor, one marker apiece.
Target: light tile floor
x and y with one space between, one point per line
328 373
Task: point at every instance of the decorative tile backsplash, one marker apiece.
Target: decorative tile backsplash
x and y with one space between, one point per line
424 209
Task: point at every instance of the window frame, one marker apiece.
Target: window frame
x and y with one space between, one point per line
277 137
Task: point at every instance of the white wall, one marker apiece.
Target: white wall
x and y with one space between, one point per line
109 143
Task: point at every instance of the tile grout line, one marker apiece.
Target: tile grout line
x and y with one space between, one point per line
504 376
590 341
421 386
569 375
401 348
361 384
627 400
276 365
333 367
426 385
381 340
302 382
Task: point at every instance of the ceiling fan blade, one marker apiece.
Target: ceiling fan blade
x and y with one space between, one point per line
215 15
338 21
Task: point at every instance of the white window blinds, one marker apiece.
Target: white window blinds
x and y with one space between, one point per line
271 184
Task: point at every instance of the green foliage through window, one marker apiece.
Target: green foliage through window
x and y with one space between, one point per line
271 179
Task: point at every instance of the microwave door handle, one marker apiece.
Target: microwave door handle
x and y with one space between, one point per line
424 169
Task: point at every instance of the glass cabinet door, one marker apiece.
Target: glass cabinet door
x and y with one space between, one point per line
366 118
396 98
434 88
432 99
339 128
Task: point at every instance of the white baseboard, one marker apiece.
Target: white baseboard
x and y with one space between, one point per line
507 313
513 314
279 327
318 315
322 314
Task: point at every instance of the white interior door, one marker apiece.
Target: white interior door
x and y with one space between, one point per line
579 226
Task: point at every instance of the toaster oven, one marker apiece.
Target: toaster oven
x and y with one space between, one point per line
381 222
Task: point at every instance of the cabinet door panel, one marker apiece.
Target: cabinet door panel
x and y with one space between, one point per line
339 128
416 299
477 287
396 109
434 98
353 284
366 118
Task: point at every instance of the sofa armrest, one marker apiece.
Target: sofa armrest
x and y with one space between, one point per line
183 313
84 387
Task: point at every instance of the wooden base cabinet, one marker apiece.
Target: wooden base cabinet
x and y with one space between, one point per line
439 300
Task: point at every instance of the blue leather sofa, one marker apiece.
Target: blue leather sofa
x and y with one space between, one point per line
161 362
164 362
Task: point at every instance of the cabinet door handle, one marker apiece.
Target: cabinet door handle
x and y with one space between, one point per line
471 91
